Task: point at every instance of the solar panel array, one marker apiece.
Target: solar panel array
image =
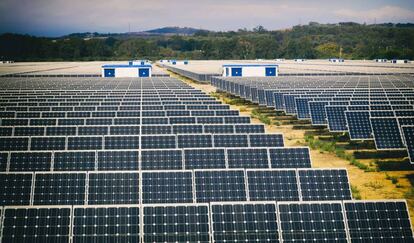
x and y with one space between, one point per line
368 107
154 160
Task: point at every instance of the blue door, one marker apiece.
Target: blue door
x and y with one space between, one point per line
270 71
110 72
236 72
143 72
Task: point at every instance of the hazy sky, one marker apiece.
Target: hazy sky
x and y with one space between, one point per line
59 17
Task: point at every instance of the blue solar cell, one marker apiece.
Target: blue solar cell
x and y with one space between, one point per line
106 224
167 187
74 161
204 158
375 221
312 222
359 125
272 185
15 188
244 222
387 134
220 185
113 188
324 184
37 225
62 188
247 158
161 159
189 223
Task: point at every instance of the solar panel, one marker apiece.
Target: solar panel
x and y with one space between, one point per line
302 108
247 158
336 118
74 161
266 140
359 125
158 142
125 130
204 159
62 188
219 129
118 160
317 112
29 131
181 129
375 221
249 128
290 157
106 224
14 122
312 222
250 222
34 161
91 130
176 223
36 224
113 188
387 134
3 161
231 140
15 188
14 143
236 119
48 143
167 187
60 131
6 131
194 141
84 143
156 129
272 185
161 159
408 133
71 122
220 185
122 142
324 184
210 120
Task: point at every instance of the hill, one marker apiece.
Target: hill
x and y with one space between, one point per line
352 40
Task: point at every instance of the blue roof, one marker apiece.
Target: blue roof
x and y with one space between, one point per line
126 66
250 65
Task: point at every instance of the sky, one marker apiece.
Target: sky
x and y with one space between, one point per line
60 17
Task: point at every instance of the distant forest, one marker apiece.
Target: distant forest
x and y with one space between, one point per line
350 40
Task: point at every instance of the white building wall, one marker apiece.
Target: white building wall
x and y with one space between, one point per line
253 71
126 72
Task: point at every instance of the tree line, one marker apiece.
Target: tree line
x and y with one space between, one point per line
346 40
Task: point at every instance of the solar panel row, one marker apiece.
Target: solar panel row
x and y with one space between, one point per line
173 186
334 221
366 107
52 143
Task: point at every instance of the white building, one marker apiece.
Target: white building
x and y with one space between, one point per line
123 71
381 60
183 62
399 61
250 70
336 60
299 60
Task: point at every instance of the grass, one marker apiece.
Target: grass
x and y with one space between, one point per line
262 117
375 185
393 179
356 194
331 147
